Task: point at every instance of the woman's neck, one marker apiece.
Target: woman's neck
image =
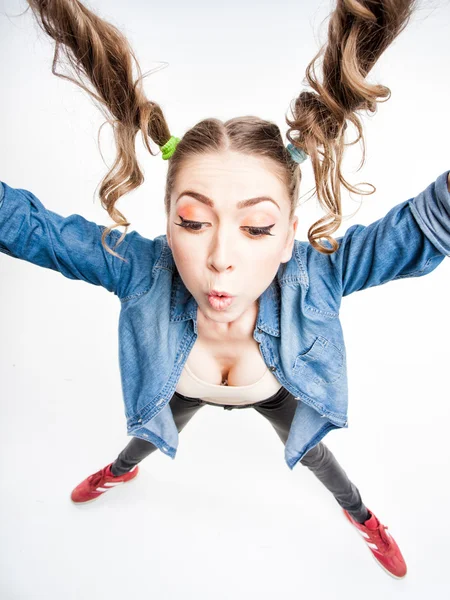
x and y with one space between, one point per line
238 330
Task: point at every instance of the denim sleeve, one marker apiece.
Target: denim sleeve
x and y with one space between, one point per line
411 240
71 245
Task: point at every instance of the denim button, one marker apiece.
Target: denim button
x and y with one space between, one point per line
272 368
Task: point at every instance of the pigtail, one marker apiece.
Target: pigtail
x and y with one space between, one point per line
359 31
100 55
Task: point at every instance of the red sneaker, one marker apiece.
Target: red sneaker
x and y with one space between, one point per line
100 482
382 545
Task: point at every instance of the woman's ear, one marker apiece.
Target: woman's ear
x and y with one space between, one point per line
290 239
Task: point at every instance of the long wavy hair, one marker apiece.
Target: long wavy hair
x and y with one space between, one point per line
358 33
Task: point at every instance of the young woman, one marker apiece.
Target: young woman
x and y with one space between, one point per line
228 308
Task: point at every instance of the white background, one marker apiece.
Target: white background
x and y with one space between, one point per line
226 518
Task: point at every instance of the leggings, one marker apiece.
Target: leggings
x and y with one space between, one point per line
279 409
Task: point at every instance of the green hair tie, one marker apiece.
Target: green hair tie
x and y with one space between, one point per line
169 147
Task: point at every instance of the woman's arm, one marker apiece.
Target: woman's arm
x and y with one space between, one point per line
72 245
411 240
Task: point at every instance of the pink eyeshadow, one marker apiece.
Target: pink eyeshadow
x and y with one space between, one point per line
187 212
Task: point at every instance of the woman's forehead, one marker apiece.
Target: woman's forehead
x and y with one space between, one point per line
232 172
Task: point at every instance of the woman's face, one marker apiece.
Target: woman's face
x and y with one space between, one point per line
225 252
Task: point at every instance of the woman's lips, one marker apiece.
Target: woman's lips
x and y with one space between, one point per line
220 293
220 303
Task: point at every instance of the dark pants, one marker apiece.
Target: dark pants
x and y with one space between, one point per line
279 409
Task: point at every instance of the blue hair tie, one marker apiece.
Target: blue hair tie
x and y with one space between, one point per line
298 155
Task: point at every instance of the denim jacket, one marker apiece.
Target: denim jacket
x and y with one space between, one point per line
298 328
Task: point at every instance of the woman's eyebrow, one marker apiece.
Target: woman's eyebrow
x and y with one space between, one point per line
241 204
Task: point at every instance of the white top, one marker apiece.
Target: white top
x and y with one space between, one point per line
193 387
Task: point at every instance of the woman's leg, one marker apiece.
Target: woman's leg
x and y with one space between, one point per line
183 409
280 410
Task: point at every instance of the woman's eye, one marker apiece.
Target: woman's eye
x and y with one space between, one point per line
196 226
